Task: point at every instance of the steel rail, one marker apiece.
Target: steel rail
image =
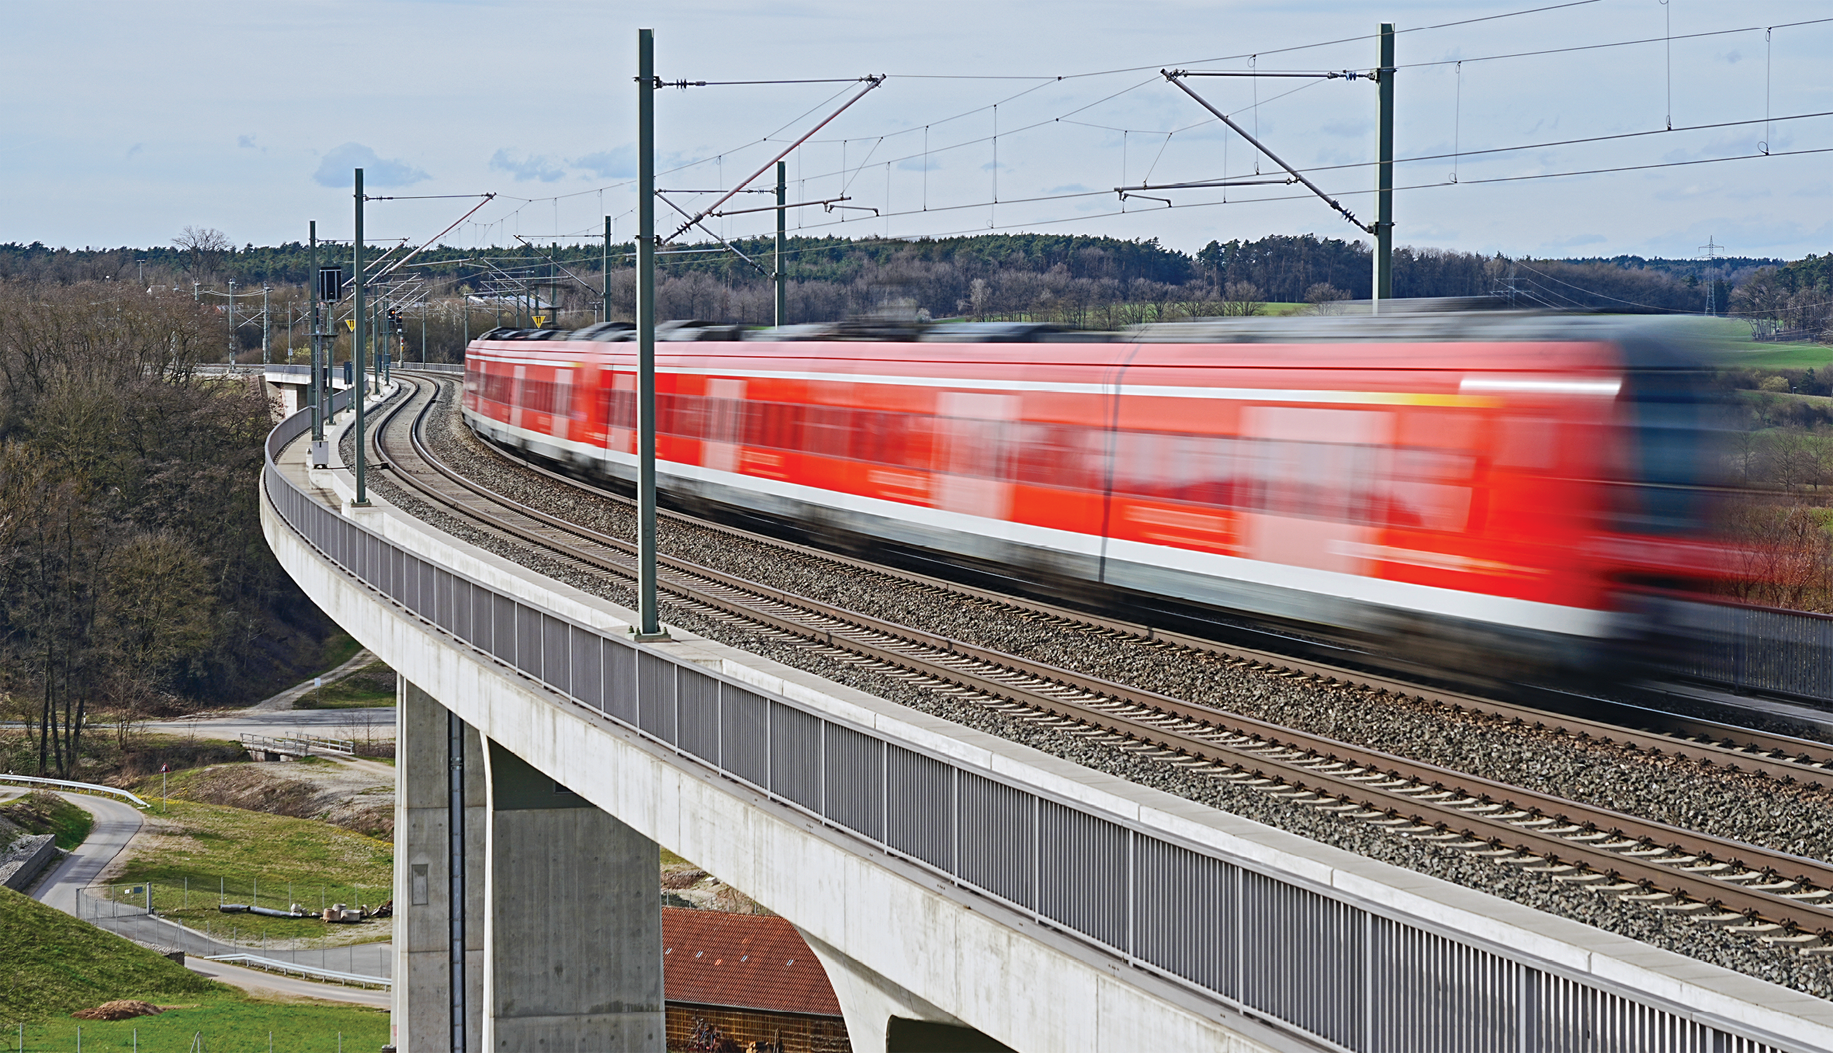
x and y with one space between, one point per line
1645 859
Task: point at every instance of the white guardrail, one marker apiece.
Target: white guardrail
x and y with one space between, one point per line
255 961
89 787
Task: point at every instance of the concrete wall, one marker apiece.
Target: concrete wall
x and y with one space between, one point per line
26 857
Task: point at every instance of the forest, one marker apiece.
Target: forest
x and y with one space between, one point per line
452 293
134 578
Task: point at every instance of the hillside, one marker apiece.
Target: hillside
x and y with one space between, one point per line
51 964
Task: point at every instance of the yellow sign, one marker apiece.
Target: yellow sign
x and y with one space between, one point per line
540 320
351 323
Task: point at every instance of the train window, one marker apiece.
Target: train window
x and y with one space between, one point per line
538 396
1430 489
1312 480
1068 456
620 408
499 387
725 420
974 447
880 438
825 429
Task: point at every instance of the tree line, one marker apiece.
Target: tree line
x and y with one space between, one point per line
1073 279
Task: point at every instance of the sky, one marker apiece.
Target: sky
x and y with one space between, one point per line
129 121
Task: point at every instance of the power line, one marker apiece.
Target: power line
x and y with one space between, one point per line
1613 44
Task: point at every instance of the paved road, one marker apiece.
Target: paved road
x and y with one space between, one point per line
116 823
256 980
326 722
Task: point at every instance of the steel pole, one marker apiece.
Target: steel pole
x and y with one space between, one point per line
1384 174
356 348
607 266
455 866
651 626
782 214
317 389
232 322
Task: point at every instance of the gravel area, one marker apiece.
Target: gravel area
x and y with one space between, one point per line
1682 793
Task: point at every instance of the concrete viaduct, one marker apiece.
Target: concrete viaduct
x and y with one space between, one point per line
960 890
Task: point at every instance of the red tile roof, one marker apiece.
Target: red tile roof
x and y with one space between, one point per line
750 961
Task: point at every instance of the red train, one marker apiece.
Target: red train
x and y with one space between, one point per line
1477 489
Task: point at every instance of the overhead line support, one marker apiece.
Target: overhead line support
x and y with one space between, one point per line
649 625
871 82
1175 77
1383 230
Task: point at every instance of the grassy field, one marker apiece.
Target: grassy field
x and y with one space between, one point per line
372 685
1782 356
53 965
244 856
47 813
226 1022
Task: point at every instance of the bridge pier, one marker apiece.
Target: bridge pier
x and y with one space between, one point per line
574 921
562 923
424 1008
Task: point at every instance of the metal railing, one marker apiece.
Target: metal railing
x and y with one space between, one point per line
1353 974
298 745
85 787
1758 649
276 965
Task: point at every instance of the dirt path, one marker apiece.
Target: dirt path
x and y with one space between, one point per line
284 700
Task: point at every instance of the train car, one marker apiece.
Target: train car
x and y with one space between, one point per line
1487 491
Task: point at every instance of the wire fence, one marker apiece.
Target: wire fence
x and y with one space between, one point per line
190 919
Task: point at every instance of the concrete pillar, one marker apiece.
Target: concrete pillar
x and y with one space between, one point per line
882 1016
423 1004
574 922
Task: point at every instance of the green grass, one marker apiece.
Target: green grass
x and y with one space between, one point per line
51 965
1782 356
372 685
340 648
254 857
47 813
227 1022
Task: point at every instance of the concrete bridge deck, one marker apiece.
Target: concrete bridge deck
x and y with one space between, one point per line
940 874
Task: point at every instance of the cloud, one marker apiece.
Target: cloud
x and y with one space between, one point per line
925 163
537 167
334 170
1070 188
247 142
134 149
616 163
1730 57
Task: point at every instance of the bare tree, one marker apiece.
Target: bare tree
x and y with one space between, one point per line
204 248
1241 299
1324 298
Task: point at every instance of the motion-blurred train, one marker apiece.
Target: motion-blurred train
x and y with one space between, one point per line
1499 492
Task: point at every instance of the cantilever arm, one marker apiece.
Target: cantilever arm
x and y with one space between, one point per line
1174 75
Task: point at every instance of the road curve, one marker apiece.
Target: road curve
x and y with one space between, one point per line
116 823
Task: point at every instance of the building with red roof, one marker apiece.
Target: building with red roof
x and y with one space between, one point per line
751 976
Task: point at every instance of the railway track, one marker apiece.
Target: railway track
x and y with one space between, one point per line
1777 897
